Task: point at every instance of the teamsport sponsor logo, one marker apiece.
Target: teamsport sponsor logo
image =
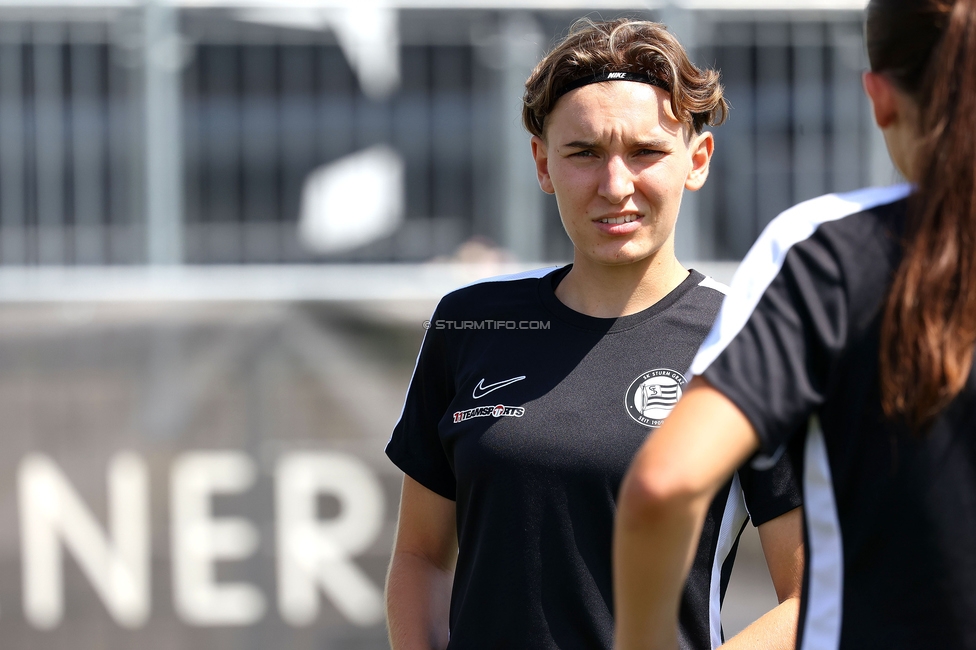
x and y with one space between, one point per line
653 394
616 75
485 411
481 390
487 324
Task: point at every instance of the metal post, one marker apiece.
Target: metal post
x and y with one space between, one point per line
847 149
809 120
523 230
682 23
49 111
164 156
87 143
13 242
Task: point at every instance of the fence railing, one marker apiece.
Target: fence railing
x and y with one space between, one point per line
150 133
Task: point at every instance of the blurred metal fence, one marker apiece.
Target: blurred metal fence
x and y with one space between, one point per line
800 123
265 106
69 173
102 162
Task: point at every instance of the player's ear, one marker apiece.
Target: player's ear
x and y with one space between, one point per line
881 92
540 154
701 148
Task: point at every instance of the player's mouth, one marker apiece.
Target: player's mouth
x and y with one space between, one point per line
626 219
622 225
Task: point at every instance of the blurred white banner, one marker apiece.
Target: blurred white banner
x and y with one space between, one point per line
353 201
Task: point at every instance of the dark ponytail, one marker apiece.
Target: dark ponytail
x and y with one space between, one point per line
928 49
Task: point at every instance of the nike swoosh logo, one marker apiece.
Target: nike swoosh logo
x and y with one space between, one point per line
490 387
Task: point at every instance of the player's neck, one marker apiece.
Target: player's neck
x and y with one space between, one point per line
606 291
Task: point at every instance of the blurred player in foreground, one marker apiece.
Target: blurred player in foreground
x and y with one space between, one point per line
855 313
514 438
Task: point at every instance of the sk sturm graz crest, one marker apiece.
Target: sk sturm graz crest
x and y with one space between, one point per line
652 396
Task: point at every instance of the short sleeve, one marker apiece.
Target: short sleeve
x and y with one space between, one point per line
778 338
772 492
415 446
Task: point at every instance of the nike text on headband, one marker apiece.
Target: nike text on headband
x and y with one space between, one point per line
612 76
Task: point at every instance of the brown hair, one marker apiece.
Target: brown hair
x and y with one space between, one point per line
928 49
623 45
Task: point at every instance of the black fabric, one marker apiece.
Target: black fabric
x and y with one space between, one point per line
536 474
906 505
606 75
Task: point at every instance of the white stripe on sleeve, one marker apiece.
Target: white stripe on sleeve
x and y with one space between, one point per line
765 259
733 520
712 283
825 587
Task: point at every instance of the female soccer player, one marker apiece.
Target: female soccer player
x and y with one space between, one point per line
858 312
533 392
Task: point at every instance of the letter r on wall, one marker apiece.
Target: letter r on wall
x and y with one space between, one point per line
318 554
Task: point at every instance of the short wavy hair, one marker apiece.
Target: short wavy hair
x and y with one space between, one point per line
624 45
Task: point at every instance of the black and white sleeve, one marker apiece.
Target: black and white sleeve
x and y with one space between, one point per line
773 491
780 331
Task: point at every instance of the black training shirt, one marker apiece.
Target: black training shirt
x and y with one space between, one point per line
890 517
528 414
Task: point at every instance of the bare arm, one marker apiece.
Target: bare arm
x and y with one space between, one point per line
782 542
663 502
418 587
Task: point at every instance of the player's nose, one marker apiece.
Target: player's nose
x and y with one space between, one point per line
618 181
